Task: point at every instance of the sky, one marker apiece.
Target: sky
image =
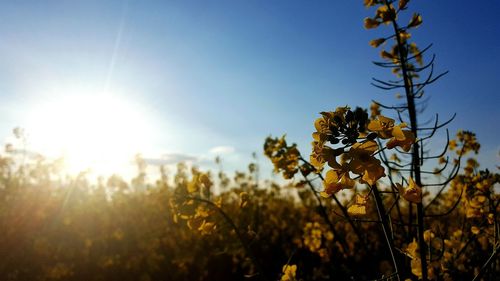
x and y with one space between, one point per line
189 80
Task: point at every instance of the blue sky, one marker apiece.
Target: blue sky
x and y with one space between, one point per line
217 77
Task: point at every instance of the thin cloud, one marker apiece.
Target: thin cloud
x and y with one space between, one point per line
170 158
222 149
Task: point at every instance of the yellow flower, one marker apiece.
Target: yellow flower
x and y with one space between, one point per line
369 3
413 193
322 126
428 235
472 213
244 199
402 4
207 228
363 163
377 42
491 218
402 138
373 172
324 123
442 160
322 154
363 149
374 110
416 52
468 141
329 236
452 145
389 56
285 158
383 126
289 272
335 181
412 249
199 181
415 21
385 129
416 267
359 206
475 230
394 157
371 23
403 35
386 14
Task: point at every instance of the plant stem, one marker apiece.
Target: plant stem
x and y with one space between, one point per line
410 99
487 263
385 227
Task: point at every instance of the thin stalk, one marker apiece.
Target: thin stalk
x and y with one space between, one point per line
486 264
400 215
385 227
403 53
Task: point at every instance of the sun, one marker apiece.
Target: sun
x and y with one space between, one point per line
100 133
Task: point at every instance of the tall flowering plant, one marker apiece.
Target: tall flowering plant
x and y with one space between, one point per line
383 160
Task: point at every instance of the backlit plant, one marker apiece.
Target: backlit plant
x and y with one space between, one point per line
351 150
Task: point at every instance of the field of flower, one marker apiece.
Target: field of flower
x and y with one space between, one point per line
176 229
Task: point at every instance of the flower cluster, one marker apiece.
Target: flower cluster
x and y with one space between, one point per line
386 129
316 238
467 141
185 207
349 136
289 272
387 13
285 158
479 193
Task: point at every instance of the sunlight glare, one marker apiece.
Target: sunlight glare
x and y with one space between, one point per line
100 133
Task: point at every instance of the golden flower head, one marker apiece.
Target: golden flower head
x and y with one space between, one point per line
289 272
335 181
413 193
359 206
363 163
